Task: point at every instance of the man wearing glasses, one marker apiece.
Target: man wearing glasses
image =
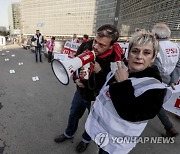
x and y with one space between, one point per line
107 50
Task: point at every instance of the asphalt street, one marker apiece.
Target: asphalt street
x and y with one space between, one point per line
32 113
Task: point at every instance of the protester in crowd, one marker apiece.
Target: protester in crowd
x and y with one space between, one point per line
38 40
129 98
14 40
106 50
75 39
50 45
168 63
85 38
28 46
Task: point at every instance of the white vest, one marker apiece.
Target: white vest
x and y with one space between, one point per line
40 40
104 124
168 55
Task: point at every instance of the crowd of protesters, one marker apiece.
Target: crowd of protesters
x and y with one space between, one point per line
149 60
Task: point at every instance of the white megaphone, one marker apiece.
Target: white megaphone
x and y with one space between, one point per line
64 69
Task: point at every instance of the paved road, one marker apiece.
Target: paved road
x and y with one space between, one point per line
33 113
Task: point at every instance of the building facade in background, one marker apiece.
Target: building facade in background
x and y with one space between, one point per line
144 14
58 17
104 12
14 16
64 18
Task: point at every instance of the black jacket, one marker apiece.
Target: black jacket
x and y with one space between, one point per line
96 81
143 107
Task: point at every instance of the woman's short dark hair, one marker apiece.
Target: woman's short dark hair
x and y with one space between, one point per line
109 31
